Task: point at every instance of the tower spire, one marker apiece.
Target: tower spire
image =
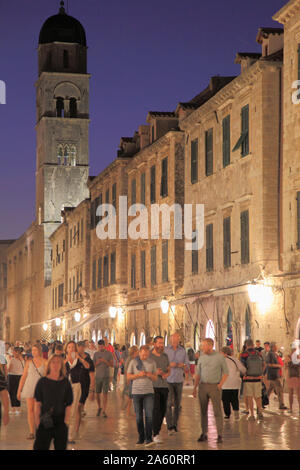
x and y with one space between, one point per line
62 8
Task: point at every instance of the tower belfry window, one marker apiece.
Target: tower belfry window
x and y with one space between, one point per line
60 154
60 107
73 156
73 108
66 155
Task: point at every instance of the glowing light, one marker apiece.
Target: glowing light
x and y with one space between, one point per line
77 316
113 312
57 321
164 305
262 295
45 326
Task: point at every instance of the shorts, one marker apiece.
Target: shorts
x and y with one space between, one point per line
252 389
102 385
293 383
192 369
85 390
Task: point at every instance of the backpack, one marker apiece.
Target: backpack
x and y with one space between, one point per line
254 365
191 355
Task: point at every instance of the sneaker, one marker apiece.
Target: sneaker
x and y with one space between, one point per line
171 431
149 443
140 442
202 438
157 439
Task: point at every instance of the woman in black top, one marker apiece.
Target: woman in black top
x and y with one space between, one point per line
53 393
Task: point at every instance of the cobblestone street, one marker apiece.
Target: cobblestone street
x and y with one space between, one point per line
278 430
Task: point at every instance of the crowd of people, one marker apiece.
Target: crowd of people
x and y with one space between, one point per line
56 380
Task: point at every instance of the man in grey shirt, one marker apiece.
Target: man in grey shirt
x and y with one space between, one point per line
103 360
211 372
161 389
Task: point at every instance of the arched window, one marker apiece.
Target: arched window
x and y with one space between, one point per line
248 323
113 337
60 153
210 331
142 339
73 108
166 339
229 337
60 107
94 338
73 154
106 334
66 155
99 336
197 338
132 340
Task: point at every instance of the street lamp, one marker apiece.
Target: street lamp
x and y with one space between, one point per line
113 312
164 305
45 326
262 295
77 316
57 321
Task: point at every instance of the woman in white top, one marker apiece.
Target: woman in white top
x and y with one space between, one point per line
15 371
33 371
232 385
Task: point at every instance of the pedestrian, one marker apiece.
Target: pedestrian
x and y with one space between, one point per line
34 369
161 389
53 399
91 349
4 397
74 365
273 375
258 346
127 390
45 349
292 365
142 372
211 374
192 360
103 362
15 371
232 385
178 361
109 347
87 378
254 364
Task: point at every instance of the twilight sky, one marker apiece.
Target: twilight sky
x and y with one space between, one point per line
143 55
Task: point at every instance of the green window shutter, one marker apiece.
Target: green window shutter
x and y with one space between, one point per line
195 265
133 272
113 268
133 192
143 188
245 237
245 130
152 185
153 265
105 271
165 261
226 140
92 218
164 178
143 268
194 161
298 219
93 277
107 196
114 195
209 152
99 279
226 242
209 248
96 217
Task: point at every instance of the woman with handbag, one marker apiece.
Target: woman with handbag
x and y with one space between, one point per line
53 399
34 369
15 371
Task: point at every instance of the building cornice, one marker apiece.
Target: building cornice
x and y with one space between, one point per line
287 12
226 95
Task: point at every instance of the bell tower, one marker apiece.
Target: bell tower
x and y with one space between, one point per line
62 128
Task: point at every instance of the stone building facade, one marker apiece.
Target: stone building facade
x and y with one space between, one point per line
231 151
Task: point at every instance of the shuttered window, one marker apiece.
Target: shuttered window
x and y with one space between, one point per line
209 248
153 265
226 140
143 188
133 192
164 178
195 266
194 161
92 215
245 237
143 268
226 243
133 271
298 220
105 271
209 152
165 261
243 142
152 185
99 280
94 275
113 268
114 195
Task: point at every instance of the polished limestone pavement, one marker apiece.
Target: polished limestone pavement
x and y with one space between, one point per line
279 430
